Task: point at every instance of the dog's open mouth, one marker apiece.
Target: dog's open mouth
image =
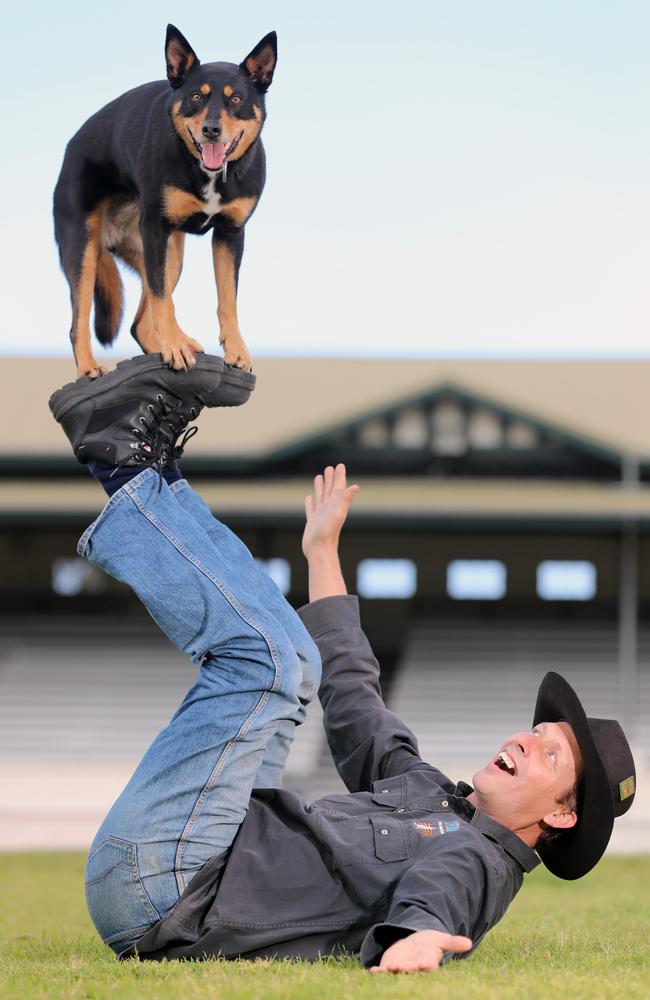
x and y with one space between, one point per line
213 154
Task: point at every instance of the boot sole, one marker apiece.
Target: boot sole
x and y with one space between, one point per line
85 387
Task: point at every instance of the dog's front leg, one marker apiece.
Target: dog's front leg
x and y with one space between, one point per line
227 250
178 350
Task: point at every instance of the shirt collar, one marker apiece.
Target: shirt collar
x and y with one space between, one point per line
507 839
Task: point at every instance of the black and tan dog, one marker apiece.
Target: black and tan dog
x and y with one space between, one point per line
165 159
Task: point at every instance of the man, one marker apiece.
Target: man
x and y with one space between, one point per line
203 854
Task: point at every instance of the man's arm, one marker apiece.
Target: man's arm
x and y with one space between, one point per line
444 904
326 512
367 741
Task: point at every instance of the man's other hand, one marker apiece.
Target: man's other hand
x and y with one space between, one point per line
421 952
326 510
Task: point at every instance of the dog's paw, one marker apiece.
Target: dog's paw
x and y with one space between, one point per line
181 355
236 353
92 371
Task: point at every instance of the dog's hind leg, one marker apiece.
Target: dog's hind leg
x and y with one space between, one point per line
79 245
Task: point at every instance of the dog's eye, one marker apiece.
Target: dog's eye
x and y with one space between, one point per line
235 99
196 96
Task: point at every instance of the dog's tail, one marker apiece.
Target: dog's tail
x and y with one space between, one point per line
109 298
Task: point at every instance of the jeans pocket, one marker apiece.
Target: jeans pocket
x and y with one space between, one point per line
117 900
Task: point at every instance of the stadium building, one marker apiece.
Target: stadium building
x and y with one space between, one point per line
502 529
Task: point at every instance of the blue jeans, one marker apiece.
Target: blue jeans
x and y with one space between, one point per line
258 670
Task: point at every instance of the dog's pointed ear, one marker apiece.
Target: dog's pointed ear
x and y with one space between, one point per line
179 56
260 62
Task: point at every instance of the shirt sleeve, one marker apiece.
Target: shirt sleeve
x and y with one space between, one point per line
367 741
447 893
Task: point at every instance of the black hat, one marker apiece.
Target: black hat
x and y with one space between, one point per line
608 781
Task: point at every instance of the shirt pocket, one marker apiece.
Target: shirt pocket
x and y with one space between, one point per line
366 840
392 841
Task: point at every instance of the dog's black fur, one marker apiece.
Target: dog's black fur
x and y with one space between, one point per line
145 170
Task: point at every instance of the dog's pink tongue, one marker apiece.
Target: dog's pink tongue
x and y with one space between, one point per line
213 154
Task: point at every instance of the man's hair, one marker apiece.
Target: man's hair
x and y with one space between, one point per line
571 801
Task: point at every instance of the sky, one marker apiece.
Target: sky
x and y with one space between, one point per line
465 179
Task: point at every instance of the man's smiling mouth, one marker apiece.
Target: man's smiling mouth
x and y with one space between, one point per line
505 762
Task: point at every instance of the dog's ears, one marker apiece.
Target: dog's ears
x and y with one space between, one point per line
259 64
179 56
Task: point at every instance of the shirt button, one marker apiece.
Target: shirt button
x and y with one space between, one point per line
385 791
400 810
384 833
444 803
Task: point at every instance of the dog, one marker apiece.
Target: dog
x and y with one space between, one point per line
165 159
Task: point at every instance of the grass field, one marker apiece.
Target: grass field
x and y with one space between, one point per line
559 939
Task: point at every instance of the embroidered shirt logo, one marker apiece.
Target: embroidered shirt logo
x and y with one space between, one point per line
427 829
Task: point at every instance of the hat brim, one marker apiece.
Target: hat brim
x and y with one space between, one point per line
577 851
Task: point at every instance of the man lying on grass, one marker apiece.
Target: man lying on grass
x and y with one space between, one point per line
203 854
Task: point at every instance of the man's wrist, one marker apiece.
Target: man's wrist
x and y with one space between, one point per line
323 552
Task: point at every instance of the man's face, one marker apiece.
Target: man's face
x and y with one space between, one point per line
524 782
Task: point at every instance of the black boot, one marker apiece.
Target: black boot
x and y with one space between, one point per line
135 414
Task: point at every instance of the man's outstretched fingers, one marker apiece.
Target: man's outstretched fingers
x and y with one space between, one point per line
421 951
318 488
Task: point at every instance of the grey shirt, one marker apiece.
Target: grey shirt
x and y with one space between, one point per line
349 874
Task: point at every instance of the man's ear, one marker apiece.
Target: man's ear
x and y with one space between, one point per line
563 819
259 64
179 56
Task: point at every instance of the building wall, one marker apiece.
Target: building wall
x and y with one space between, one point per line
30 550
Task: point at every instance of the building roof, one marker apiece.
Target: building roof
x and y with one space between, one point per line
550 441
606 403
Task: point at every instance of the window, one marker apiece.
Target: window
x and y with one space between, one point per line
566 580
485 429
386 578
280 572
448 429
75 576
411 430
476 579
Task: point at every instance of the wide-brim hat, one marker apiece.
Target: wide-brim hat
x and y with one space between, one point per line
608 781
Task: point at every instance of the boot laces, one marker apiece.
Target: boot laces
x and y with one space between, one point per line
156 441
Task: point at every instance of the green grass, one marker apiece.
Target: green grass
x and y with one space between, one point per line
559 939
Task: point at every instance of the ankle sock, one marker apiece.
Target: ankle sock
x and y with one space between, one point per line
111 477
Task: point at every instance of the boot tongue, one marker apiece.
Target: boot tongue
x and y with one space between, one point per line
213 154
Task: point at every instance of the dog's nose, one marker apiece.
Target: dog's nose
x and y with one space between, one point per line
211 130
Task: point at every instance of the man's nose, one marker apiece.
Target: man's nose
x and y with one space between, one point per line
523 741
211 130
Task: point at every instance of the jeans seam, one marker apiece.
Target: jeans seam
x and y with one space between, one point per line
212 778
110 505
180 547
223 756
180 484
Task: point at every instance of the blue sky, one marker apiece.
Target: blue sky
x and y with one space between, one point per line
463 179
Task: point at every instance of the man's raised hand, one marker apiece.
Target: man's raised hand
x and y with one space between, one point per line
421 951
326 510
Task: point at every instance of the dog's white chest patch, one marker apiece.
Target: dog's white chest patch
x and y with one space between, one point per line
211 200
